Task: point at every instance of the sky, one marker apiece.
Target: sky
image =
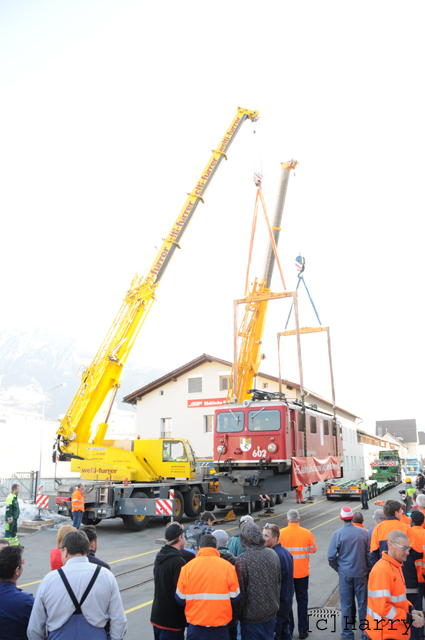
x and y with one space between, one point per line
110 111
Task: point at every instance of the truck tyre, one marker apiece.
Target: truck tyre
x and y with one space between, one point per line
192 503
179 506
136 523
279 498
273 500
209 506
221 505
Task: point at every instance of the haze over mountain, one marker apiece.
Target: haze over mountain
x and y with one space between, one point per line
34 361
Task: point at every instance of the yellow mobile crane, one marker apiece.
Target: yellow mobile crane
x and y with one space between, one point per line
144 461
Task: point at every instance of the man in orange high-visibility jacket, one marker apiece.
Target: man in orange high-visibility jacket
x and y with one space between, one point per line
379 544
390 615
300 543
77 505
208 585
417 519
403 517
299 494
358 520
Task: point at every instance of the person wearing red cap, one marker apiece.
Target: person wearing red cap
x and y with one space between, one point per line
348 555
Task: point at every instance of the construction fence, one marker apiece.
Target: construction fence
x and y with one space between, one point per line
27 481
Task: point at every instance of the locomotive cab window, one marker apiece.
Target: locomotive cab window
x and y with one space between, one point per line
313 425
300 422
264 420
326 427
229 422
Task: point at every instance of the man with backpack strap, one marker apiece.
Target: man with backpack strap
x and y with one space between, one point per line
195 532
81 601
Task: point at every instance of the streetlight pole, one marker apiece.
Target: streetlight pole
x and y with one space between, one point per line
62 384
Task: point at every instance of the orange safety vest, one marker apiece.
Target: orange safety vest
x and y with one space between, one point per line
419 537
300 488
207 584
360 525
381 531
77 501
405 519
387 604
300 543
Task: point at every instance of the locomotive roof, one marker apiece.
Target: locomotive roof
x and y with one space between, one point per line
294 404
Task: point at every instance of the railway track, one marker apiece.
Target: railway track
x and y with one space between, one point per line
137 584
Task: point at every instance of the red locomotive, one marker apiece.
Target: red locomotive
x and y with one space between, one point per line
268 431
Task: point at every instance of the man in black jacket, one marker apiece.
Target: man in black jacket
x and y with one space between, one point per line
420 482
90 531
167 616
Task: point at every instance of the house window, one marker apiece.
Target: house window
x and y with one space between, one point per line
313 425
208 424
265 385
224 383
194 385
166 424
161 393
326 427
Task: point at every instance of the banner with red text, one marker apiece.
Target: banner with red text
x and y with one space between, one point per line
308 470
206 402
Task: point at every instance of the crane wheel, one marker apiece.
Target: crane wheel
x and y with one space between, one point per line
192 503
136 523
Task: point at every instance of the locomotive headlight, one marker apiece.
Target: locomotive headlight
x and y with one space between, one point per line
272 448
221 448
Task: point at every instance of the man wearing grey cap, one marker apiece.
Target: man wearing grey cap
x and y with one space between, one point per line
167 617
378 516
234 544
222 538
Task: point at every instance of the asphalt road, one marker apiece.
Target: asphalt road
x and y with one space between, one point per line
131 556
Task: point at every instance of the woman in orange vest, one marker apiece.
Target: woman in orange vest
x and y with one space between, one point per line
77 506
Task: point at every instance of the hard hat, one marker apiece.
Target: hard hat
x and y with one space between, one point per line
408 479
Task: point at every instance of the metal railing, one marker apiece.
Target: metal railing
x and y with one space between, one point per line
27 481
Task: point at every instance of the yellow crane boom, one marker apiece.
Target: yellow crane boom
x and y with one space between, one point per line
256 300
104 373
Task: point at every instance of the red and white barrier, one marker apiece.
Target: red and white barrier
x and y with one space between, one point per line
42 502
164 507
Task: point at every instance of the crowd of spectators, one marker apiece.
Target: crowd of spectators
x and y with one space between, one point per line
242 588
